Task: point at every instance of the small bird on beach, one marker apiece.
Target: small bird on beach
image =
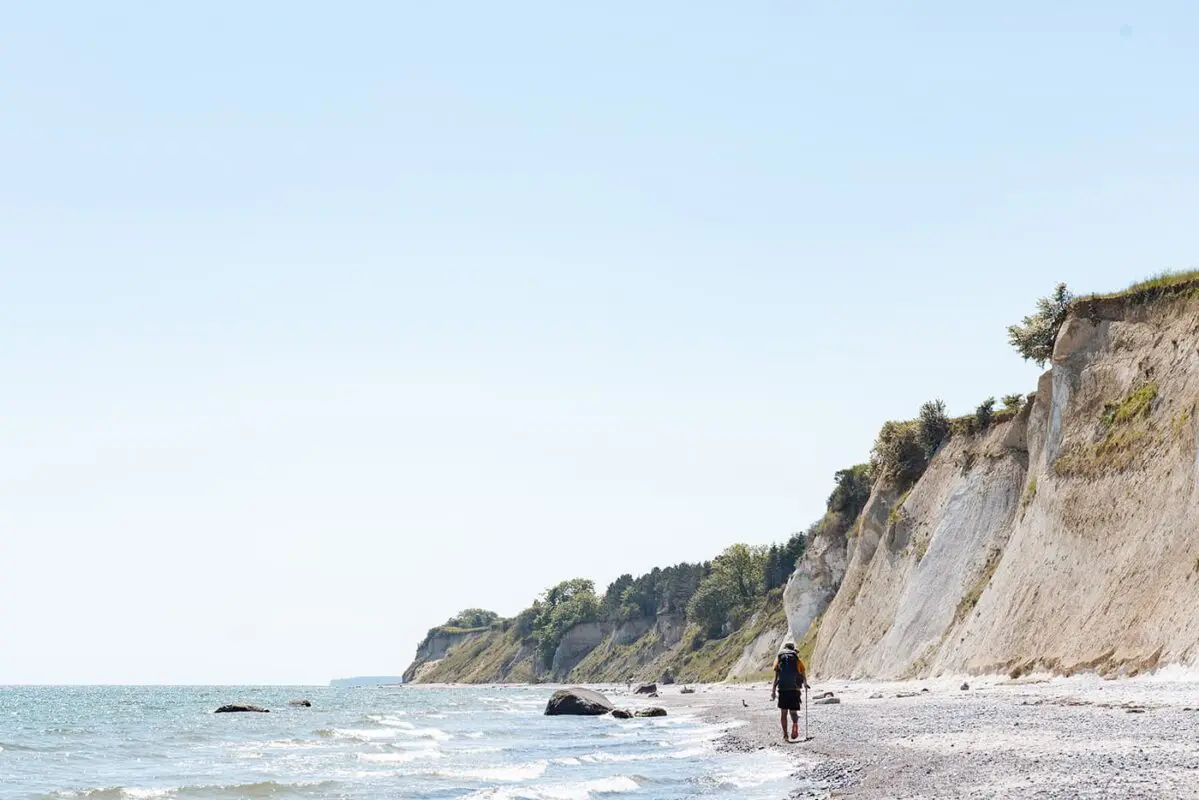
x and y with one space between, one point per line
744 703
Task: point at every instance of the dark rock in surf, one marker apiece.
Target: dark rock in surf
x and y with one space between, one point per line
652 711
230 709
622 713
646 688
578 702
301 703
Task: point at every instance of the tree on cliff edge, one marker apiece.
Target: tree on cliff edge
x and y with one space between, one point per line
1034 337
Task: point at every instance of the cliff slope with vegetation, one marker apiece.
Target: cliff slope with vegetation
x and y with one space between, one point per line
1054 531
711 621
1057 535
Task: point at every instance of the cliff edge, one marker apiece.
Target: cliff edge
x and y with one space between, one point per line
1063 539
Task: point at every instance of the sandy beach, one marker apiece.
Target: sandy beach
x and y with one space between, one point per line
1081 737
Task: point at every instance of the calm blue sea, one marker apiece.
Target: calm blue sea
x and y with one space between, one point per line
112 743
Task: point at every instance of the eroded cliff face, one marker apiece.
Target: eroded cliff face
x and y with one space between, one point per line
434 649
1065 539
661 648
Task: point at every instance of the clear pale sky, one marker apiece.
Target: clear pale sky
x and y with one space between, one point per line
323 321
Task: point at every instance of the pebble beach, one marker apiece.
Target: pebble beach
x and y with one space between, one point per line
1040 737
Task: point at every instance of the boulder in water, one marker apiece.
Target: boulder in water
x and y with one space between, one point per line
652 711
235 708
622 713
965 687
301 703
578 702
646 688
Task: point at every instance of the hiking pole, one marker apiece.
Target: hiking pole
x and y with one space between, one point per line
808 692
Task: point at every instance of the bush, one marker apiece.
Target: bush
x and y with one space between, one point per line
934 427
1013 402
898 454
903 449
1035 336
983 414
559 609
523 624
852 490
472 618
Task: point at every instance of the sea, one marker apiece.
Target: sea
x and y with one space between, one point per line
137 743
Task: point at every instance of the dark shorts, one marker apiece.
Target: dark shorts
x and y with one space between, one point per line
789 699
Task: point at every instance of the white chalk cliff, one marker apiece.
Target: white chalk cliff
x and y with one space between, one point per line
1064 539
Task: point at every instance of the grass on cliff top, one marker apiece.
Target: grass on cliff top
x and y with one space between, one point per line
1160 286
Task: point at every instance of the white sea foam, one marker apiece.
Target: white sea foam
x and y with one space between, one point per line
513 773
620 758
392 722
117 793
383 734
399 758
565 791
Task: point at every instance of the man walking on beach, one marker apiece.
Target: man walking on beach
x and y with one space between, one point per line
789 678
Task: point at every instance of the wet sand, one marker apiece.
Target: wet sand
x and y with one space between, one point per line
1079 737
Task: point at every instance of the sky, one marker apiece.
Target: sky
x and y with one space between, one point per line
321 322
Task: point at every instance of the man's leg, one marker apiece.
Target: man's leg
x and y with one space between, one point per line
794 724
783 720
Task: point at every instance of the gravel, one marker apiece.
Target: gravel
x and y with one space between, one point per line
1062 738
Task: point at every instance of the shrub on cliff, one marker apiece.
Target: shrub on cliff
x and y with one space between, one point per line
472 618
559 609
903 449
898 455
1034 337
1013 402
984 414
852 490
934 427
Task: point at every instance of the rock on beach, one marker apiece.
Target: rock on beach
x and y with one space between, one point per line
578 702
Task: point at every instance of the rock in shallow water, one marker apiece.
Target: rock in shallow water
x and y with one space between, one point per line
646 688
301 703
577 702
235 708
652 711
622 713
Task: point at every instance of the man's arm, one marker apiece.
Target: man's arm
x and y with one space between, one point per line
774 688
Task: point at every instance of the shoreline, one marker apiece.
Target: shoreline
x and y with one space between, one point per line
1041 737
